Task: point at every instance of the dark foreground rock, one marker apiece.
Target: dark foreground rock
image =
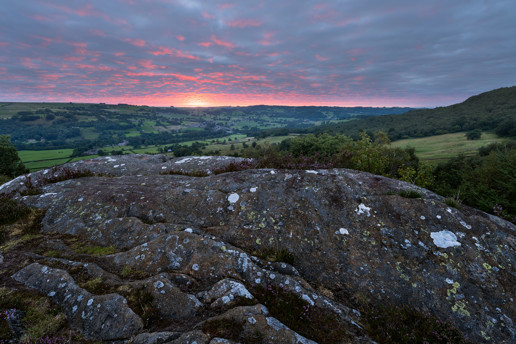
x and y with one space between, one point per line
205 250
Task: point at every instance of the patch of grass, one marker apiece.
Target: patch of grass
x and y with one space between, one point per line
274 255
196 173
95 250
52 253
404 324
232 329
128 272
409 194
95 286
141 302
41 317
311 322
452 202
443 147
34 227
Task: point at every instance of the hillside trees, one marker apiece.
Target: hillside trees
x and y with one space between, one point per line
486 181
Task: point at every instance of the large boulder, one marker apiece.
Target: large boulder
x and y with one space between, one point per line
348 235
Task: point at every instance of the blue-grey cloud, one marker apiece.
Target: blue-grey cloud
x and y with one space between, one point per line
190 52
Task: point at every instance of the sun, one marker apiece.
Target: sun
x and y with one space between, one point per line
196 100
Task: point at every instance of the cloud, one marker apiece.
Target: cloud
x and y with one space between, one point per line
333 52
241 23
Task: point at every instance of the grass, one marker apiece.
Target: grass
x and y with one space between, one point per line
41 317
409 194
95 250
309 321
404 324
273 255
230 328
442 147
35 155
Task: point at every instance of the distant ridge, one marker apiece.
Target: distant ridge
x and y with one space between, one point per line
490 111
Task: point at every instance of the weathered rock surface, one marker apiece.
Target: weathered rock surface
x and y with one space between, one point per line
349 232
102 317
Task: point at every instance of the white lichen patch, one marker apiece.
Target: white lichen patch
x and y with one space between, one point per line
464 224
312 171
444 239
195 267
182 161
251 320
363 209
342 231
188 230
233 198
449 281
438 217
422 217
253 189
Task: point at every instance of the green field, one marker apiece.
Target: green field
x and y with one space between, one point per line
33 155
442 147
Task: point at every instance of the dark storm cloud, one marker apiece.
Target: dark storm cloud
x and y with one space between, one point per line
241 52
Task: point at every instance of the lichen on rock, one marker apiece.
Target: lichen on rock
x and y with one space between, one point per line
201 247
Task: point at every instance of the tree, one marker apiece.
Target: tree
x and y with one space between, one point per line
10 163
474 134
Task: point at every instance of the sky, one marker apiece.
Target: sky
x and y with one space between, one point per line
284 52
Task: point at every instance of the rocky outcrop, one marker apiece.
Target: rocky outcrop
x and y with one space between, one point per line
203 246
104 317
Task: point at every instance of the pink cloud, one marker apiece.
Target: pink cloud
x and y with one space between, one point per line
173 52
321 58
207 15
221 42
225 6
97 32
74 58
135 42
241 23
205 44
267 38
40 18
148 64
180 38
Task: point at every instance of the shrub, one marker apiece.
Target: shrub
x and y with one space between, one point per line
409 194
310 321
404 324
11 210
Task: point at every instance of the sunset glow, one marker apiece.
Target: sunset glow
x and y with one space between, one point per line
229 53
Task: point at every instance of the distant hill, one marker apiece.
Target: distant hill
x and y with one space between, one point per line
494 110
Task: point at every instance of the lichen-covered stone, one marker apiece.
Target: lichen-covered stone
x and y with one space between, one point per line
349 234
99 317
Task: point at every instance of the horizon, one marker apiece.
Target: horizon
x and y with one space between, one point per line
188 53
